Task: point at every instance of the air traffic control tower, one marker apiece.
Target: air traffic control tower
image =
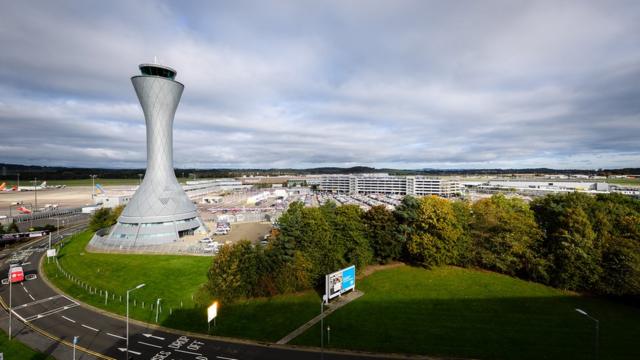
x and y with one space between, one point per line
159 212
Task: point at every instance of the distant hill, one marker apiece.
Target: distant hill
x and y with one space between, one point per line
10 171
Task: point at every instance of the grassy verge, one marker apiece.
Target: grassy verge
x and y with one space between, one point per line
466 313
174 279
16 350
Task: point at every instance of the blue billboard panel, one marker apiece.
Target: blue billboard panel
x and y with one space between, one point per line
348 278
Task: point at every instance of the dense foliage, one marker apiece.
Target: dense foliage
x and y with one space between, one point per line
105 217
571 241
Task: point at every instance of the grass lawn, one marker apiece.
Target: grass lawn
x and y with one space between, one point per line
174 279
14 349
457 312
624 181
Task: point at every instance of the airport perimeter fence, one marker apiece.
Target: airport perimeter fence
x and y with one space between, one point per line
157 310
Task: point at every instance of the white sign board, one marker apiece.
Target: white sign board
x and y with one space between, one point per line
212 311
340 282
50 253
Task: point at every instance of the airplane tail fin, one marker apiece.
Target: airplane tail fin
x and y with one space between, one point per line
3 186
44 184
100 189
24 210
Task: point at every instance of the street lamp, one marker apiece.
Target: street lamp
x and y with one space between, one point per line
93 186
580 311
128 291
75 341
139 179
35 194
10 304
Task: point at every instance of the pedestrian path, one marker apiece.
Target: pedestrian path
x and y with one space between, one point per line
329 309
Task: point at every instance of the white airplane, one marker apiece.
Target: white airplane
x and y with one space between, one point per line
33 188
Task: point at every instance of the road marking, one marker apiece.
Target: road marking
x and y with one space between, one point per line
225 358
131 351
117 336
27 263
188 352
144 343
32 298
152 336
36 302
66 318
50 312
90 328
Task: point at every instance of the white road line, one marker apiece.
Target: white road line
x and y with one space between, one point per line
50 312
225 358
89 327
32 298
189 352
144 343
66 318
117 336
36 302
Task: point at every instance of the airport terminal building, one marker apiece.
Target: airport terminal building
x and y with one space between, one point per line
389 184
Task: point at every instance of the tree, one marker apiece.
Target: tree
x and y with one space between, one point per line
1 229
349 234
406 215
12 228
505 235
433 241
101 219
381 227
574 253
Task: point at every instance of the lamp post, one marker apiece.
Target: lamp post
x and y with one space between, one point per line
139 179
75 341
580 311
93 186
35 194
324 298
10 305
128 291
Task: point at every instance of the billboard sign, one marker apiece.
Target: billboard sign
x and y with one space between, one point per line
340 282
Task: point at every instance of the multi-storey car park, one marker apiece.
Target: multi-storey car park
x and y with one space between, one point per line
389 184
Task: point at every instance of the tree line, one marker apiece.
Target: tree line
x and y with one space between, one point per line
571 241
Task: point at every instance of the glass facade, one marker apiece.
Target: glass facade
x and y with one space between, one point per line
157 71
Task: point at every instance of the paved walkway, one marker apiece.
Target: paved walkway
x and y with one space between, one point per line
335 305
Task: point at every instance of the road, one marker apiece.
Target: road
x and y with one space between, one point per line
38 305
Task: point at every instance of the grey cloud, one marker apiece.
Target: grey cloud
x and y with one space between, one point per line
296 84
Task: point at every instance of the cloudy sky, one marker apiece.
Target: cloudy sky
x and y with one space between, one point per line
402 84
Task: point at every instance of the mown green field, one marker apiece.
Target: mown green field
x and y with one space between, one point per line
174 279
16 350
458 312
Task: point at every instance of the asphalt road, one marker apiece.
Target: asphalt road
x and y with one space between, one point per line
34 302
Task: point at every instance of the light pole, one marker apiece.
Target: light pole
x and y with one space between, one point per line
324 298
10 304
18 185
93 186
128 291
597 328
139 179
75 341
35 194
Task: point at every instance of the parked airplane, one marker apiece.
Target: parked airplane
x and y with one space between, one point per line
3 187
23 210
33 188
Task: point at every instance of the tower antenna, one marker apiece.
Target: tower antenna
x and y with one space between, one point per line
155 60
